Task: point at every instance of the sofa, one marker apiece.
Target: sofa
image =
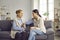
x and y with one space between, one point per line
5 29
6 25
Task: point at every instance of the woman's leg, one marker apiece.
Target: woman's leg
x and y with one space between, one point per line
32 35
38 32
33 38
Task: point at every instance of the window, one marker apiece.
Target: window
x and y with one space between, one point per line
51 9
45 6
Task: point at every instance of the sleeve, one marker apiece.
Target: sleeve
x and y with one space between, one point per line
16 27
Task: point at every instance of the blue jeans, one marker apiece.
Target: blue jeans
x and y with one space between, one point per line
33 33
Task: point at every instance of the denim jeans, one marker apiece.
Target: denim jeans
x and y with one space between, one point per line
33 33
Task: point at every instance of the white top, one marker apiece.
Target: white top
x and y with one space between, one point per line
40 23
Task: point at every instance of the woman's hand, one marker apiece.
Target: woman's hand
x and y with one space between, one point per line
33 28
23 25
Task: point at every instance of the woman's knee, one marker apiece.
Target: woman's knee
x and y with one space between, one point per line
32 32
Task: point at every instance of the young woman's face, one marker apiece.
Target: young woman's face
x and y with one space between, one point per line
34 15
20 14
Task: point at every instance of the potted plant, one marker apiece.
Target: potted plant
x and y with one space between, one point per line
46 15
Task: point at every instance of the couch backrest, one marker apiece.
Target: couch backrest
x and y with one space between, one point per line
5 25
48 24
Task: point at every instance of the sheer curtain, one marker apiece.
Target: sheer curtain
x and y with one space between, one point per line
45 6
51 9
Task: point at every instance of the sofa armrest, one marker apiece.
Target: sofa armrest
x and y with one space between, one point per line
50 31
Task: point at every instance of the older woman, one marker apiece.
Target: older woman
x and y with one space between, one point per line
18 25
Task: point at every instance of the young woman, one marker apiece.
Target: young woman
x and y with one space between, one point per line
39 27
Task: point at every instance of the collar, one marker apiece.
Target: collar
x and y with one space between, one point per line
17 18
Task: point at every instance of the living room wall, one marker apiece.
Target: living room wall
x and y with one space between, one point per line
12 5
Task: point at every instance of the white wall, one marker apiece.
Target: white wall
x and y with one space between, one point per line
13 5
57 4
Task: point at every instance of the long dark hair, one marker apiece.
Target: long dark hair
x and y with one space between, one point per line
36 11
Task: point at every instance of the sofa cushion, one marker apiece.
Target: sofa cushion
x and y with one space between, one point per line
48 24
5 25
4 34
41 36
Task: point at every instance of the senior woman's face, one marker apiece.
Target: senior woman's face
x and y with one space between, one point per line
20 14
